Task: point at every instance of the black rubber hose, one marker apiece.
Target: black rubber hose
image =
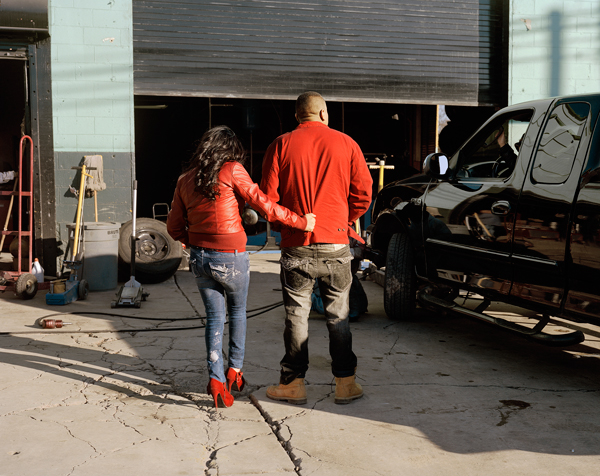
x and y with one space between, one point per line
263 310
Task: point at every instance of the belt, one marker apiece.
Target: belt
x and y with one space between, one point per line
212 249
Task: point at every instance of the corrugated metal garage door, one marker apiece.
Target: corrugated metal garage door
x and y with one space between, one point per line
420 52
23 17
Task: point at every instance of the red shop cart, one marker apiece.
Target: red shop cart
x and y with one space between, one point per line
22 282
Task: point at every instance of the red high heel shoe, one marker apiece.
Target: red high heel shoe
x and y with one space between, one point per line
235 380
219 393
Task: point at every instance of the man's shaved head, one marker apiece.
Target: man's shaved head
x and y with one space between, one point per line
309 105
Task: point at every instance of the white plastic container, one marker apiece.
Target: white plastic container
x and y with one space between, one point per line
101 254
37 271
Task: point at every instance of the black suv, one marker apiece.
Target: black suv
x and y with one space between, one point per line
513 216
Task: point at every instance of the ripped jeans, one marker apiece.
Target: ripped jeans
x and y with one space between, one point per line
222 278
300 266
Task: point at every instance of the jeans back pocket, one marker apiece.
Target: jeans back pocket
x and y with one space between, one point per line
222 272
340 273
294 272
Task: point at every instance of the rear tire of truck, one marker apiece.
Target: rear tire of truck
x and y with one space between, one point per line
400 284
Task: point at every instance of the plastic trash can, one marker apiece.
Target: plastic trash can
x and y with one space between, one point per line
100 254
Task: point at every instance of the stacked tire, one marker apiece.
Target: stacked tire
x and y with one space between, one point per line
157 255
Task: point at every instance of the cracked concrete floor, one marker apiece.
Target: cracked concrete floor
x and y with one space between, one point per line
443 395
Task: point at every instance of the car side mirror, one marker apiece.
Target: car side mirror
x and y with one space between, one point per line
435 165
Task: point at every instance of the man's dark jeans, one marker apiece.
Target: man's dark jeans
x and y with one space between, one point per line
300 266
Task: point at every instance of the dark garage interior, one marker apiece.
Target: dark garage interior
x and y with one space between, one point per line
168 128
12 127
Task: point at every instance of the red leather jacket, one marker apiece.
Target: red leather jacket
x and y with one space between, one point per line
217 224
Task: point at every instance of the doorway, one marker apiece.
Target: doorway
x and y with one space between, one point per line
13 119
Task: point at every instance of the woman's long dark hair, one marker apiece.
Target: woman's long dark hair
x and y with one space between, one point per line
217 146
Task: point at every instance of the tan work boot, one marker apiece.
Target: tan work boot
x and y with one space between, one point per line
346 389
294 392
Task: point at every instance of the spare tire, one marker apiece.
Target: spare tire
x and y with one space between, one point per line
157 255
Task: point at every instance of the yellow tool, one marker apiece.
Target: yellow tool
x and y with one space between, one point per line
79 207
74 287
381 166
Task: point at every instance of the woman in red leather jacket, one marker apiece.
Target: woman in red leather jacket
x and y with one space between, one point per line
205 216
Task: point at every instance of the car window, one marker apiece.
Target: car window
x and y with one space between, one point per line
493 151
556 152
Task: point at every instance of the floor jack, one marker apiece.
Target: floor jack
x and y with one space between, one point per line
131 293
74 288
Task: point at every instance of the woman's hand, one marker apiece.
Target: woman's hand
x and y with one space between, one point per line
311 219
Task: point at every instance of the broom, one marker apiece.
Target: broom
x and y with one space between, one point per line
12 198
95 183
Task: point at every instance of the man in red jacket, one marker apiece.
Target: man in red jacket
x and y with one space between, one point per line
315 169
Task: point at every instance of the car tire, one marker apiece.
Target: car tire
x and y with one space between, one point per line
158 256
400 284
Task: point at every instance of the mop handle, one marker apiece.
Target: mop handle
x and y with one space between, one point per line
133 229
12 199
78 218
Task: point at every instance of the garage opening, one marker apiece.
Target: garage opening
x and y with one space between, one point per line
12 128
168 128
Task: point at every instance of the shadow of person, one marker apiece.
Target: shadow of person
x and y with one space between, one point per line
450 383
146 367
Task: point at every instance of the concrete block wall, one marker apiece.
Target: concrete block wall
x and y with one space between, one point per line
92 96
554 48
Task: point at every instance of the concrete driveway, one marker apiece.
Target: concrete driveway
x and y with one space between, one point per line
443 395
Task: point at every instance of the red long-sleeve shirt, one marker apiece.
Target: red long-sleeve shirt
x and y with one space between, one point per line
315 169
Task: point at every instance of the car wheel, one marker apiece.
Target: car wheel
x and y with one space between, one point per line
26 286
157 255
400 284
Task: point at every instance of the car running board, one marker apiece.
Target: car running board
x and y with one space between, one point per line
536 334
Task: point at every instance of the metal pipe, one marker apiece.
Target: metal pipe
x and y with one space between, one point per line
133 231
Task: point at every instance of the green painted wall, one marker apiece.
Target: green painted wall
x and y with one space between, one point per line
554 48
92 98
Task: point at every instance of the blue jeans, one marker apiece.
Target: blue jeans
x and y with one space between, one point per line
222 278
300 266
